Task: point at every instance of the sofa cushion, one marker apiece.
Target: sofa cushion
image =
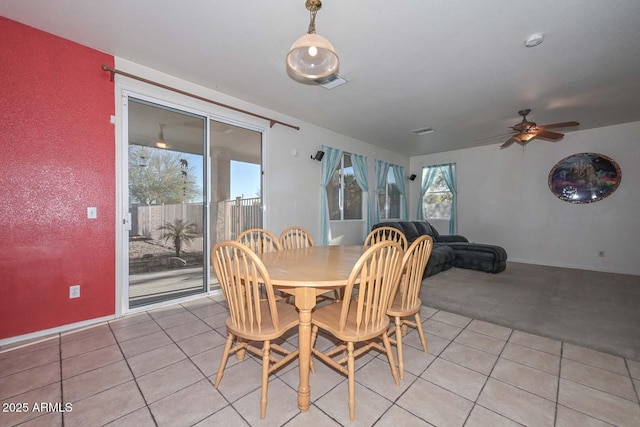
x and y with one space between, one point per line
423 227
451 238
479 256
441 259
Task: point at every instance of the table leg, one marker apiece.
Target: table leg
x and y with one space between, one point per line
305 301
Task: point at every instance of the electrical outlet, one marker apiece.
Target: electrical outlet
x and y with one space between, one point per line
74 291
601 254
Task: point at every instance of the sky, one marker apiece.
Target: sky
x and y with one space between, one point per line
245 179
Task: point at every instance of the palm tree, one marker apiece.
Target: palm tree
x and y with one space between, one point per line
179 231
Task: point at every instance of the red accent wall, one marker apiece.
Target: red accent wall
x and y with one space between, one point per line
57 157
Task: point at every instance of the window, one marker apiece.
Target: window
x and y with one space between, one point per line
389 198
343 193
438 199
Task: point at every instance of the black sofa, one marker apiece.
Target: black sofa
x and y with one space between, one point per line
452 250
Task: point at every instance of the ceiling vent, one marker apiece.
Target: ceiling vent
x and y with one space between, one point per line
331 81
423 131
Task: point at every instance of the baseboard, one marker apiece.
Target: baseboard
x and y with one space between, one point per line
45 334
576 267
32 338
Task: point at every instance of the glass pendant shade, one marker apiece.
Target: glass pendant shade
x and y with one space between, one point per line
312 57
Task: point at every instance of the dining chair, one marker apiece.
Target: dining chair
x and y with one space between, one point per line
406 301
386 233
295 238
259 240
298 237
251 317
362 319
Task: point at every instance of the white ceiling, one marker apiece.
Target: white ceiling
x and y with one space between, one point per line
457 66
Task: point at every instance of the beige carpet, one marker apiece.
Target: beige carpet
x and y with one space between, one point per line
593 309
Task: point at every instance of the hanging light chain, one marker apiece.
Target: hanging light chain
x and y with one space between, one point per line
313 6
312 23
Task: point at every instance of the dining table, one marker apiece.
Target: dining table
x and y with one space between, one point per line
306 273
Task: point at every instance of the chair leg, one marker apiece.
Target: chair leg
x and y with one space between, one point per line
387 346
223 361
351 364
399 346
314 336
241 353
421 333
266 350
285 297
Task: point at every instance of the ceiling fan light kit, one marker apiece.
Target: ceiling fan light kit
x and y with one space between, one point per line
160 142
312 56
525 131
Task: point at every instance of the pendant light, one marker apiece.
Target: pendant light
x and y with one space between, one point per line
312 56
160 142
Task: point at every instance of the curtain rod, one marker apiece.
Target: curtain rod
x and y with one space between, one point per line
438 165
113 72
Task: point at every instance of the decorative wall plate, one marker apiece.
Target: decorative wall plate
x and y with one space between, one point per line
584 178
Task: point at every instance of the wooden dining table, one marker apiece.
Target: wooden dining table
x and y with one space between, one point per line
306 273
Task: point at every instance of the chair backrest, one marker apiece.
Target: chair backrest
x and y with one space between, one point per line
259 240
241 275
413 264
386 233
295 238
376 273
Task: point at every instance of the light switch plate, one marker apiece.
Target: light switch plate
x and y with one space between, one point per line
92 212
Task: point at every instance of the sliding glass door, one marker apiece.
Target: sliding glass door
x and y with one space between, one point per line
167 203
236 180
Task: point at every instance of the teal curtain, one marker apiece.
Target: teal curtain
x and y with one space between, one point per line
330 162
398 174
449 174
382 170
360 170
428 177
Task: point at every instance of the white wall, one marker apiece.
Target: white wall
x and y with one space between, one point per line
504 199
293 182
292 178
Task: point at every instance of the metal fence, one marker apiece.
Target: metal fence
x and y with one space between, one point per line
237 215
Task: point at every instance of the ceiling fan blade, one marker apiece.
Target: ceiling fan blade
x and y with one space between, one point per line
554 136
559 125
494 137
508 143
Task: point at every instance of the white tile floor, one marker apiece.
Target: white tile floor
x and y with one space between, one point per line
158 368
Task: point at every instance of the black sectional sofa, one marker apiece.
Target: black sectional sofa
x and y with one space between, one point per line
452 250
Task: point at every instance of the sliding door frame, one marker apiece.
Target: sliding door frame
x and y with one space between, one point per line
164 98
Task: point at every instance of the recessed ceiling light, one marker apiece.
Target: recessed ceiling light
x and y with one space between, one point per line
534 40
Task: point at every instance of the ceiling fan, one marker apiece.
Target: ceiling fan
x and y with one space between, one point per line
525 131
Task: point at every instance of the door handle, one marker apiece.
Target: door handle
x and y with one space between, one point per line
127 222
